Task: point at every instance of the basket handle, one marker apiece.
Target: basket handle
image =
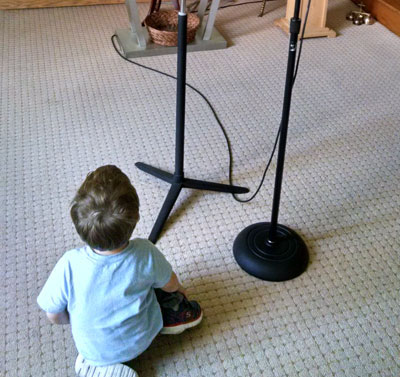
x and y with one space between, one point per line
156 4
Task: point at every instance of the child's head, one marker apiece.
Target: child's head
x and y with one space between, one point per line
105 209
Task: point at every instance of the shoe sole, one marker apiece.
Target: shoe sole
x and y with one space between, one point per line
178 329
83 369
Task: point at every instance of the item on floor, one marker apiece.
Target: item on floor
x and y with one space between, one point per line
163 27
360 17
368 20
84 369
272 251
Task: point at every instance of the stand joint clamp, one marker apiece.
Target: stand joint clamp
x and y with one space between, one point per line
295 24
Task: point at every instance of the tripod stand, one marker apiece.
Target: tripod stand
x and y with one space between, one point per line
178 180
268 250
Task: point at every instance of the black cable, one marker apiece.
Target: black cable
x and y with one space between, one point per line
280 126
301 41
198 92
228 143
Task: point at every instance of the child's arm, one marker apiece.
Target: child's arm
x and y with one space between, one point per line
61 318
53 297
174 285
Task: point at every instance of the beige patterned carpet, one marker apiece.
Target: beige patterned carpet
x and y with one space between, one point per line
69 104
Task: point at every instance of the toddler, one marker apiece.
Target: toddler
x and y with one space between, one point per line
116 293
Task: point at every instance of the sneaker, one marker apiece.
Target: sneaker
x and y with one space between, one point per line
180 317
84 369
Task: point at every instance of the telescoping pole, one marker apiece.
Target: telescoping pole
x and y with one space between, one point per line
181 91
295 23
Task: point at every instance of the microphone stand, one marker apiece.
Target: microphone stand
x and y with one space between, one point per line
268 250
178 180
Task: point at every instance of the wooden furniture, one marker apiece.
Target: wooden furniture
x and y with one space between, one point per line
23 4
315 22
135 42
387 12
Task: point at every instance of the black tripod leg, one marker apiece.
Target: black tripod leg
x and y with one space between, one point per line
169 202
203 185
158 173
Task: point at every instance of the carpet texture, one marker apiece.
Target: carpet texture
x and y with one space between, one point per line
69 104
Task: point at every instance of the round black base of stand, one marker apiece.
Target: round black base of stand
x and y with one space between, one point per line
283 260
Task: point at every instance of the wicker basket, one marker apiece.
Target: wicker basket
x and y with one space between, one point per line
163 27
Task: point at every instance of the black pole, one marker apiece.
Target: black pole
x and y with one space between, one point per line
295 23
178 180
180 95
272 251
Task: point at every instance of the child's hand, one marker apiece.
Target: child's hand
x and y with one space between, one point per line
182 290
174 285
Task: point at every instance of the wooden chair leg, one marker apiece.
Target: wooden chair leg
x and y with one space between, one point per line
262 9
